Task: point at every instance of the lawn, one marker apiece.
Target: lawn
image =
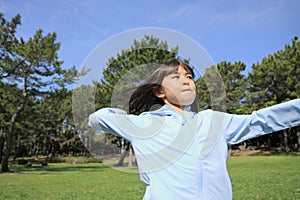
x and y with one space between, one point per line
265 177
253 177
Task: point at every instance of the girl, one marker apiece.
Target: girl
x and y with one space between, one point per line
182 153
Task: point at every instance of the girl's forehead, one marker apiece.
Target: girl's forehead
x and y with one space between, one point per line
181 70
167 70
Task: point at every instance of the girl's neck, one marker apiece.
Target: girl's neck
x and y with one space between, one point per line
179 109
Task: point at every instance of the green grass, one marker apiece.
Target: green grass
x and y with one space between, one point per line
67 181
265 177
253 177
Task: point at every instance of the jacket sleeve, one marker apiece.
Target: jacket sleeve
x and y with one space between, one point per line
117 122
238 128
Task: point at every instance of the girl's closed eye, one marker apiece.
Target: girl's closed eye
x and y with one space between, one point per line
189 76
175 76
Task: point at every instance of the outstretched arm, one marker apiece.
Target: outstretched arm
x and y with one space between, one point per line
238 128
118 122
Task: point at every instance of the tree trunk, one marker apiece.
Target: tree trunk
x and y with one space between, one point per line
130 156
229 150
1 145
121 161
17 149
269 144
285 141
298 135
123 155
9 142
36 151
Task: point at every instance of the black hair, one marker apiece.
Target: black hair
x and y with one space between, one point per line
144 99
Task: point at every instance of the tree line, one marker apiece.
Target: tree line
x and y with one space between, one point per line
36 105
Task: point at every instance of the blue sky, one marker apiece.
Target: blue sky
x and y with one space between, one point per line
230 30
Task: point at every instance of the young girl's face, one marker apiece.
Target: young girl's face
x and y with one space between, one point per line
178 89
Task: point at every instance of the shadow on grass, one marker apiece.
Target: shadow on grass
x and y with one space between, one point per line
274 153
263 152
58 168
277 153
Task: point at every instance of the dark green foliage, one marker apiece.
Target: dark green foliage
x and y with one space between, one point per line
32 68
222 87
129 64
276 78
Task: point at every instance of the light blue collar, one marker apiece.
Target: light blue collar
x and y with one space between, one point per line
168 111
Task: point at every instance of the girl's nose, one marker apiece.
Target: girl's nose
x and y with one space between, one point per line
186 81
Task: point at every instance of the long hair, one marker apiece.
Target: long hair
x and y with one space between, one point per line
143 98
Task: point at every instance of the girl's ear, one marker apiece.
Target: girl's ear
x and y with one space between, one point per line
159 93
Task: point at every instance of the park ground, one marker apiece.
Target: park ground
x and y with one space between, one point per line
254 175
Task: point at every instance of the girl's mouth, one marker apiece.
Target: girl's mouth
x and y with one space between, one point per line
186 90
